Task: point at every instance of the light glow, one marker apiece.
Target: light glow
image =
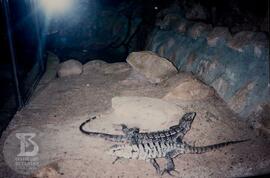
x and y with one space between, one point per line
56 6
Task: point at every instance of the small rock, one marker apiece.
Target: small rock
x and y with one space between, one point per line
190 90
68 68
48 171
156 69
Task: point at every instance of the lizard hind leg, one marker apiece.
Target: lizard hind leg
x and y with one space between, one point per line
155 165
170 167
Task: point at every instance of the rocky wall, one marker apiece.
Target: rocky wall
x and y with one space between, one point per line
236 66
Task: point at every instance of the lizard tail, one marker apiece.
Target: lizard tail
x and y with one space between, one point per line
203 149
114 138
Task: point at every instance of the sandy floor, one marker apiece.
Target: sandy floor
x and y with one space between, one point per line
57 109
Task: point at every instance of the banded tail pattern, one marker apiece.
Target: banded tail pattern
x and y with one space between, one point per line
109 137
202 149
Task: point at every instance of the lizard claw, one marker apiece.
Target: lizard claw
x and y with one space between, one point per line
169 172
158 172
116 159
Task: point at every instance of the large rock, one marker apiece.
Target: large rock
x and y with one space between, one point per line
239 101
260 120
153 67
68 68
241 40
217 35
199 29
116 68
168 21
190 90
106 68
148 114
261 44
221 86
182 26
243 27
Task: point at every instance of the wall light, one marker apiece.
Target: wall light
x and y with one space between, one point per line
52 7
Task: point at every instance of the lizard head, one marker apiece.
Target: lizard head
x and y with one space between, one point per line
187 119
189 116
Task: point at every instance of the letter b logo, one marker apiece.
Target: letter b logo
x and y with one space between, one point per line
27 146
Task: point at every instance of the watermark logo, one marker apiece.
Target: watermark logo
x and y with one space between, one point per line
22 149
26 141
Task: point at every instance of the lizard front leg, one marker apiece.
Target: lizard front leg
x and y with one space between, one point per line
126 130
130 133
155 165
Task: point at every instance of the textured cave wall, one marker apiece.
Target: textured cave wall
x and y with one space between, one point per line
236 66
92 30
